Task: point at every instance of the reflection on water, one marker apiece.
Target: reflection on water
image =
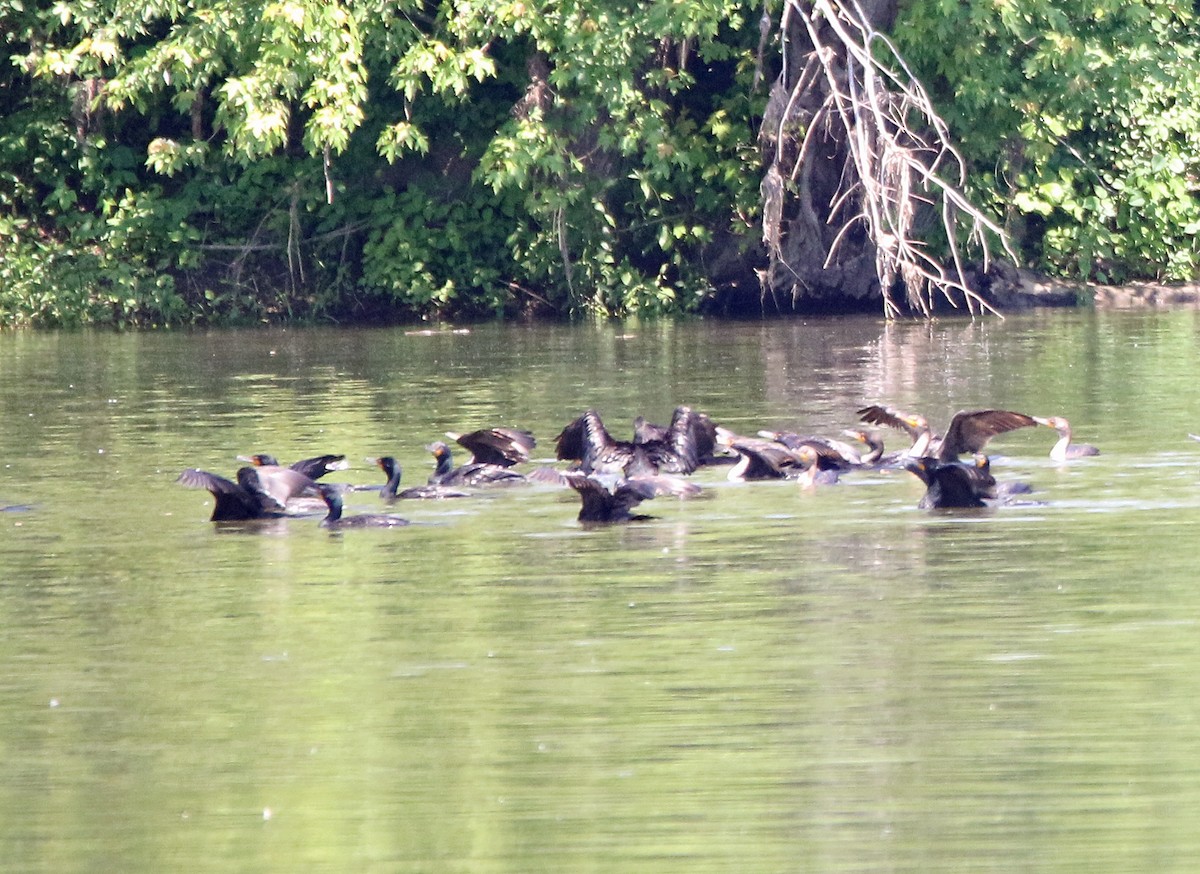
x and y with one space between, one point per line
766 678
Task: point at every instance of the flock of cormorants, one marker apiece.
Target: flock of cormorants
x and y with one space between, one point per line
613 476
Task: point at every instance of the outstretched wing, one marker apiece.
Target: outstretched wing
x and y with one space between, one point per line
970 431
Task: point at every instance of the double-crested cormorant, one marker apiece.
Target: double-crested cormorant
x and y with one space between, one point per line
259 493
471 474
332 495
969 430
687 443
500 446
587 441
391 489
953 483
1064 448
313 468
830 454
874 456
611 498
759 458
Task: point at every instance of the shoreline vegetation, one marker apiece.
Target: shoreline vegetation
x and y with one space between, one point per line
301 162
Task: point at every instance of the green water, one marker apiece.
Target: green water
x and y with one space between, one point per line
762 679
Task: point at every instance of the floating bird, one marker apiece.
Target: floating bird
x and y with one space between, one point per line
587 441
500 446
612 499
259 493
874 456
687 443
391 489
471 474
953 483
332 496
313 468
1064 448
969 430
830 454
759 458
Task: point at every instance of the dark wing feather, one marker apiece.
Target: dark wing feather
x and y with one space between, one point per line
970 431
318 466
233 502
502 446
880 415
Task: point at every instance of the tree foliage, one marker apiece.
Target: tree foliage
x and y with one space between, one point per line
413 157
165 162
1082 119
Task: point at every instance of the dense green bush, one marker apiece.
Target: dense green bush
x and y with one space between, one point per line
165 163
1081 120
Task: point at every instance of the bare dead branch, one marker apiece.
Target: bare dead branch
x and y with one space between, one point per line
899 161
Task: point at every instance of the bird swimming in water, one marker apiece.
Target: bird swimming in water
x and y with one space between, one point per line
259 493
680 447
953 483
504 447
332 496
612 499
759 458
968 432
874 456
471 474
587 441
1064 449
391 489
831 455
313 468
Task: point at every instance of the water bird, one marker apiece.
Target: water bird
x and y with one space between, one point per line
1064 449
831 454
391 489
612 498
874 456
968 432
504 447
471 474
313 468
259 493
953 483
759 458
332 495
587 441
680 447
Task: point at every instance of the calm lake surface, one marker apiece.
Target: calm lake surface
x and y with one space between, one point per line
763 679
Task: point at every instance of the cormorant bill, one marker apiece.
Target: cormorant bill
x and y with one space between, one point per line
1064 448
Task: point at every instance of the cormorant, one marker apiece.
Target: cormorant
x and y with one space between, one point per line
953 483
332 496
259 493
313 468
391 489
969 430
471 474
1064 448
